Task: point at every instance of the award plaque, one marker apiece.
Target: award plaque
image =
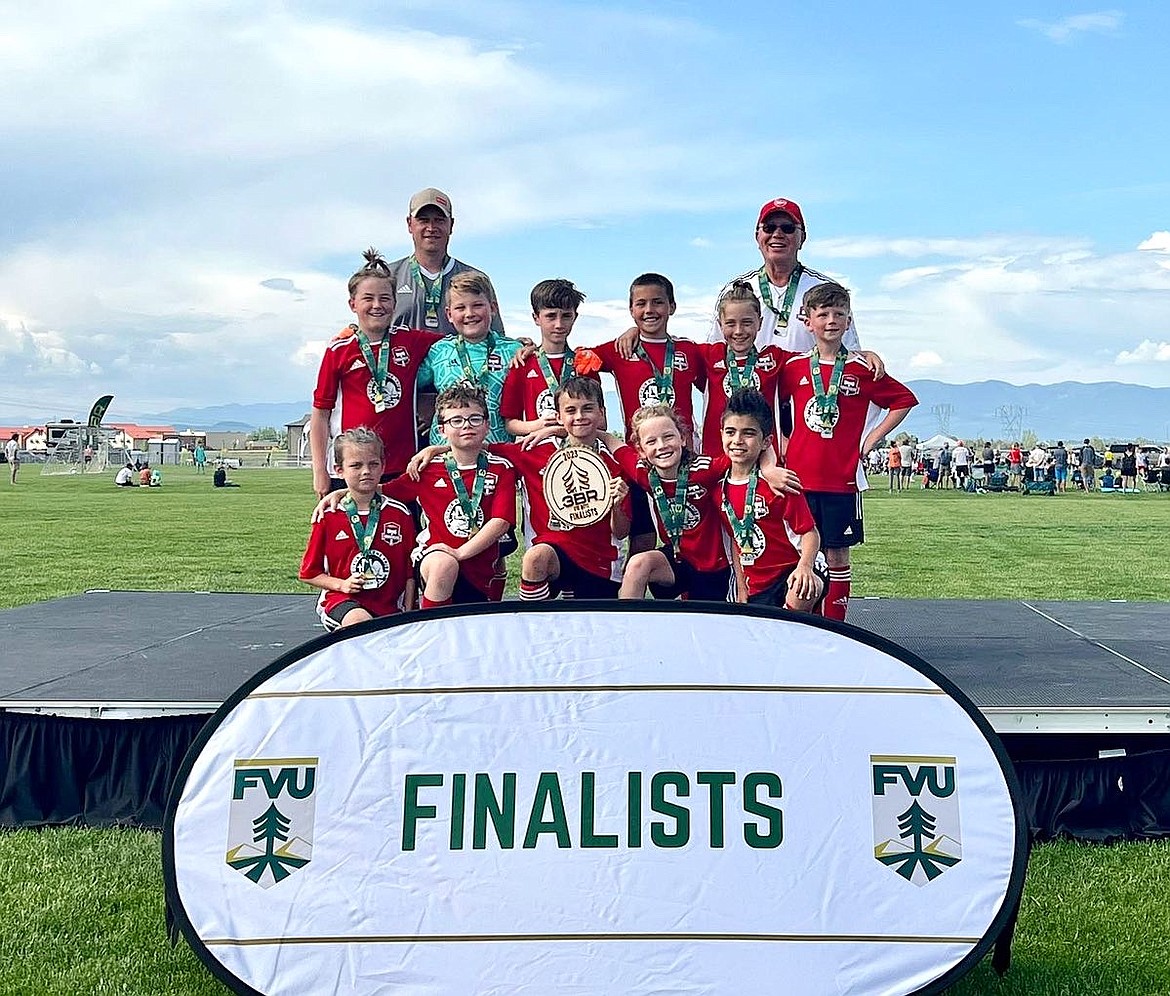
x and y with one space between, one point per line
578 487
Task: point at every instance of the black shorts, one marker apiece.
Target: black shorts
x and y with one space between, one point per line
576 582
690 584
338 613
464 592
640 521
777 592
838 518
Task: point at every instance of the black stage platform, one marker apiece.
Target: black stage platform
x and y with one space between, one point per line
100 694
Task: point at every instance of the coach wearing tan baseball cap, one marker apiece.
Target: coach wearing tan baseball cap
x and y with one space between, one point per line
421 279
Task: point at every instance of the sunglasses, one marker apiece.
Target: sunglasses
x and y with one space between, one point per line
459 421
787 227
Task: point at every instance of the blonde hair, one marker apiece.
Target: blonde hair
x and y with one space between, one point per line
740 292
375 266
470 282
647 412
360 436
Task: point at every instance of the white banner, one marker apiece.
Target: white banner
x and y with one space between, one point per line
628 798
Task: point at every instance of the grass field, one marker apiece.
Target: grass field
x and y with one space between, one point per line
81 910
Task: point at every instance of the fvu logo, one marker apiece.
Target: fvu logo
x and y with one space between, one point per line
916 815
270 823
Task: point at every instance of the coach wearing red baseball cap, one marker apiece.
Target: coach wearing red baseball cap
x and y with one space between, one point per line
781 282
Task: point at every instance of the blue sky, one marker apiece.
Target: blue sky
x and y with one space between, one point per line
188 185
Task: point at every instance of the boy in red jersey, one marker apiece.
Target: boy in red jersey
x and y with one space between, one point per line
359 554
835 415
578 560
662 369
468 500
368 378
527 401
773 540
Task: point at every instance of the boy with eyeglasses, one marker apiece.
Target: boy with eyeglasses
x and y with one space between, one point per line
468 501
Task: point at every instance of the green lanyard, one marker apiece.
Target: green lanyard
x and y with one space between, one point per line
825 400
434 293
470 503
364 535
664 378
469 372
672 512
737 379
546 368
785 311
742 529
379 368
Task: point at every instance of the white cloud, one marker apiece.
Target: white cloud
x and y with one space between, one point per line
1067 28
869 246
1158 242
1147 351
925 361
701 243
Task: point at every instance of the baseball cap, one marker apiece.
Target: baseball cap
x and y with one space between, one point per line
780 204
431 197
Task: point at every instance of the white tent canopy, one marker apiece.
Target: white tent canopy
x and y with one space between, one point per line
936 443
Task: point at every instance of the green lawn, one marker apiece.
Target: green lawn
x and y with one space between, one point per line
81 910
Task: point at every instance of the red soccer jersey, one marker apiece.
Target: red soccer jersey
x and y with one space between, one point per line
701 543
829 462
719 388
332 550
527 394
635 377
345 389
592 548
446 522
780 522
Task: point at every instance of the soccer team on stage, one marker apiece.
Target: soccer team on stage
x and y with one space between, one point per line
722 508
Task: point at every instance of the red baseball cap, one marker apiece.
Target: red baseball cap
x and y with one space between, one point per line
785 205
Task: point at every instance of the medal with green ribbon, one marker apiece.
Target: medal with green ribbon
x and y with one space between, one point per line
824 410
550 378
742 529
739 377
363 534
434 293
672 511
785 311
379 368
470 503
470 374
664 378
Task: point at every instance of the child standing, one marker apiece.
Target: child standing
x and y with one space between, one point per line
367 377
475 354
527 400
831 397
359 554
773 539
468 500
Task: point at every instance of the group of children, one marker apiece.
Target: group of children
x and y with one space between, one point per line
726 508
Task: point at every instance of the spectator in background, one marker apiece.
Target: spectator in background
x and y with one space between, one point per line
11 454
1015 463
1088 465
907 453
944 465
125 477
1037 463
144 476
895 467
1060 466
988 458
1129 468
961 457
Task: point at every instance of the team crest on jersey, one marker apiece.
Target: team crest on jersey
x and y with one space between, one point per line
822 423
495 363
729 388
391 391
455 519
391 533
544 404
850 385
916 815
680 361
759 544
374 566
648 394
400 356
766 362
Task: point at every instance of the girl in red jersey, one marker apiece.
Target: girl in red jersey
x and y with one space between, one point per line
683 490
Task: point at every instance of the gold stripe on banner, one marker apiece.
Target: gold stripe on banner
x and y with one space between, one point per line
525 689
270 761
515 938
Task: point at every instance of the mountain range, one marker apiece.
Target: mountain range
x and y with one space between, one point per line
987 409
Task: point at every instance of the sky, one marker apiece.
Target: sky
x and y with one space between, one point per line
188 185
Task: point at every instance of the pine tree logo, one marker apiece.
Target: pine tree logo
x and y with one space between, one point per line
916 815
270 823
